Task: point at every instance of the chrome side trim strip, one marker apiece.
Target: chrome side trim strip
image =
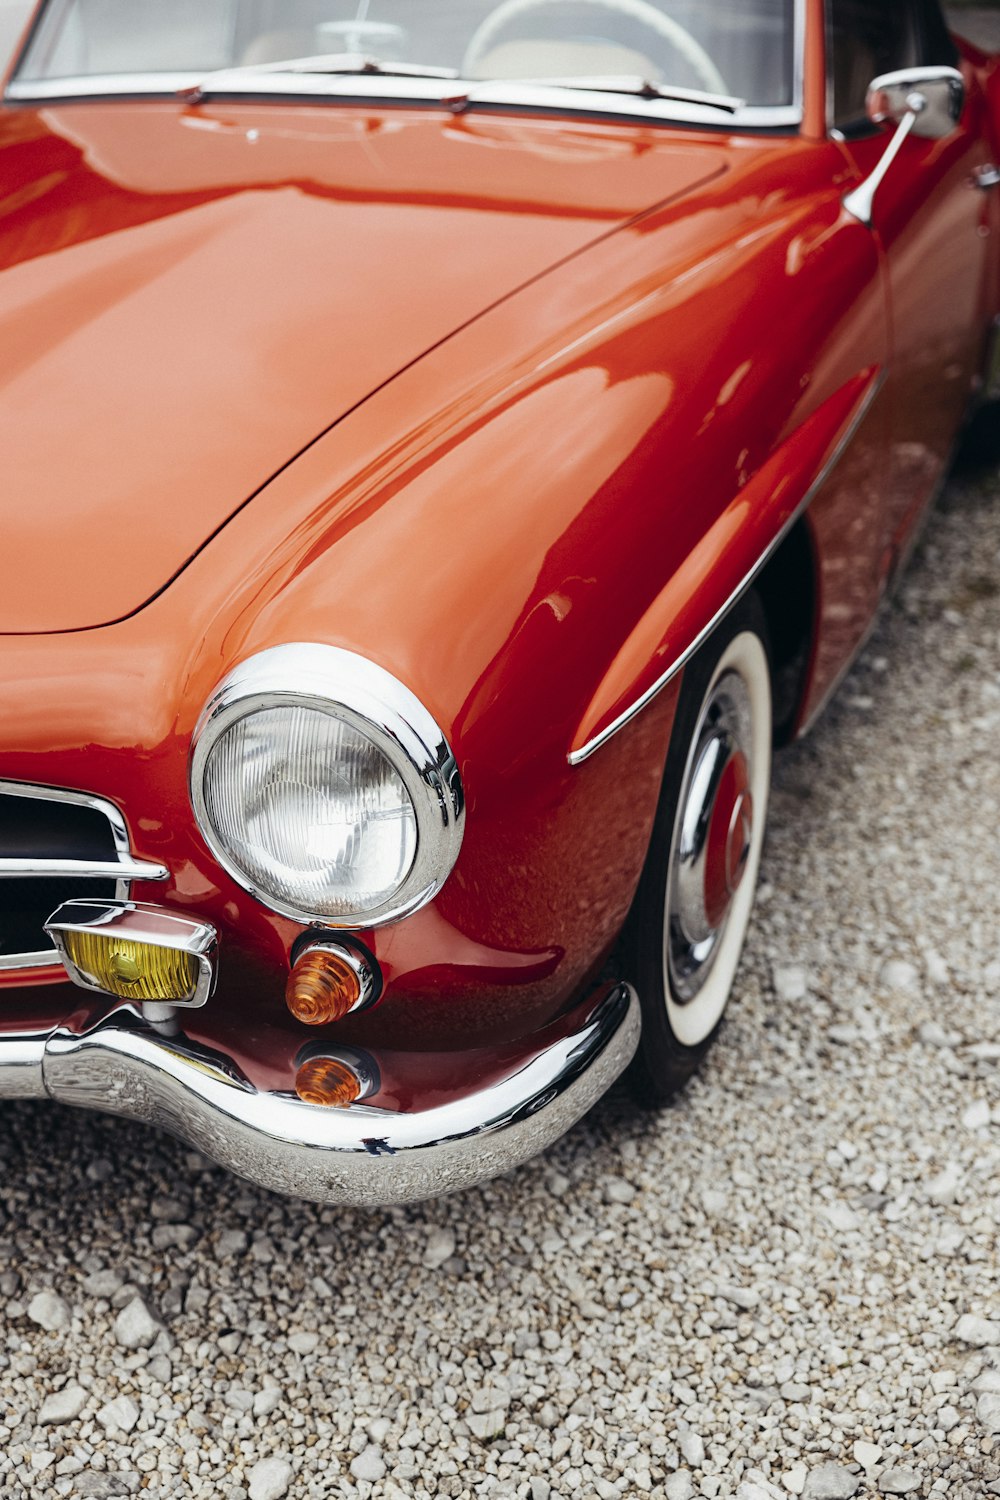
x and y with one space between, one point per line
80 869
577 757
363 1154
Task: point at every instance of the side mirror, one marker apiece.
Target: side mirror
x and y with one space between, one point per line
921 101
935 95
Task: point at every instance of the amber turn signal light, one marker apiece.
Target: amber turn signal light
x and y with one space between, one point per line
328 1080
327 982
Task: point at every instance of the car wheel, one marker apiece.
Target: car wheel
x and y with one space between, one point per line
692 909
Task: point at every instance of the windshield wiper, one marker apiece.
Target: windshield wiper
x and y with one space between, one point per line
498 89
348 64
487 90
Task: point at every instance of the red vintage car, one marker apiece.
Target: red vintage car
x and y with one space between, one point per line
445 446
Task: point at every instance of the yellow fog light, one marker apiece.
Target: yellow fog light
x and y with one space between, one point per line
135 952
132 970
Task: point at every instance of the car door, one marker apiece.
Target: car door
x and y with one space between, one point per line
932 221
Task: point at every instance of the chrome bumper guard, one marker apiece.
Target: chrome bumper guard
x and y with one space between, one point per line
361 1155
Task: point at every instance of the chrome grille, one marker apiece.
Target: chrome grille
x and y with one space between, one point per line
56 845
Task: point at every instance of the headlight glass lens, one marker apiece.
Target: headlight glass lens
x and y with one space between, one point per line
311 810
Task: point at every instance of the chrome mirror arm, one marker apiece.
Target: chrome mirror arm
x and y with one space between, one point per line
860 201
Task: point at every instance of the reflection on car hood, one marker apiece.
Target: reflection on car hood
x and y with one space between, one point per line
189 297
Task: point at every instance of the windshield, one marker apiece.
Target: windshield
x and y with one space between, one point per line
741 49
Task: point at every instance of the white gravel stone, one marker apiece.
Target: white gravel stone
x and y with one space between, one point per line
936 968
64 1405
943 1188
121 1414
231 1243
988 1412
486 1425
831 1482
979 1332
898 974
899 1481
977 1115
841 1217
369 1465
49 1311
304 1341
103 1283
867 1454
740 1296
791 983
794 1479
269 1479
985 1051
933 1034
692 1446
679 1485
440 1247
135 1326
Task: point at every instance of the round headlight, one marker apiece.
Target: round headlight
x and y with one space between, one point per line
325 788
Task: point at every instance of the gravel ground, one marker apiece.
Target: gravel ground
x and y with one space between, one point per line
786 1284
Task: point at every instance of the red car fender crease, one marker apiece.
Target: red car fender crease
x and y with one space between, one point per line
726 562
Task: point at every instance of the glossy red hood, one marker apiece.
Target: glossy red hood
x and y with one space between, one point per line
188 298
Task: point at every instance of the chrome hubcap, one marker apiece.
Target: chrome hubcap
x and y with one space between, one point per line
713 838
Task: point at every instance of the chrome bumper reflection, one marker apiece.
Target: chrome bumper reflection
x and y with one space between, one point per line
361 1155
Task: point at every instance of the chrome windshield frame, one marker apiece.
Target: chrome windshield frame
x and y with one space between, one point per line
369 87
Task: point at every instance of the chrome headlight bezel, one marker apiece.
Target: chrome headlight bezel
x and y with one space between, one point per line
367 697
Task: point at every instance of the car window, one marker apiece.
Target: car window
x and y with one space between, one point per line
869 37
744 50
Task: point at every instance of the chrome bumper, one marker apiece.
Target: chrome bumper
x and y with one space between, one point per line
360 1155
